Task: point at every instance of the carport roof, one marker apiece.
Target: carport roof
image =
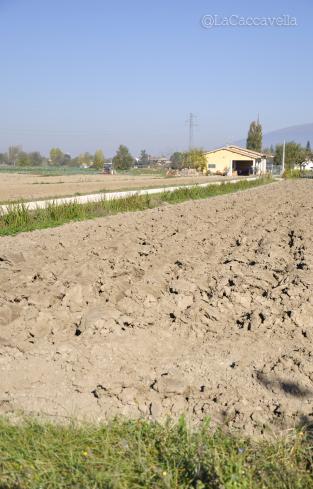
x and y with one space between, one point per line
241 151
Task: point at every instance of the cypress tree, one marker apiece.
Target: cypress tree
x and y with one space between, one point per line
254 139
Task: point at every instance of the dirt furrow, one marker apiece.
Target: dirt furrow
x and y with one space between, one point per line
204 308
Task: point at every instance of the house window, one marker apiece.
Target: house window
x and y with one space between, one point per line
211 165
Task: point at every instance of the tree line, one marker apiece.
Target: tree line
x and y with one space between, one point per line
15 156
123 160
194 158
295 153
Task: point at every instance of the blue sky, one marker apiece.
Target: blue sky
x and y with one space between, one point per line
87 74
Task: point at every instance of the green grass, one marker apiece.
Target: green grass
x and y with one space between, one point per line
152 172
71 170
143 454
48 171
19 218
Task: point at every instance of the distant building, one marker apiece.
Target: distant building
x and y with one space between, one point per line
159 161
108 168
231 160
306 165
138 163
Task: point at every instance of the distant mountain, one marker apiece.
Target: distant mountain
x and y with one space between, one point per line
300 134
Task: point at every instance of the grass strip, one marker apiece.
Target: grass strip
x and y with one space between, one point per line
19 218
143 454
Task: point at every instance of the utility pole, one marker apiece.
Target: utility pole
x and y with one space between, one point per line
283 159
191 123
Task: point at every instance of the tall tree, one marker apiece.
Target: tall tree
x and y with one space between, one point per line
98 160
35 158
144 158
23 159
85 159
123 160
254 139
177 160
13 153
4 159
66 159
56 156
308 150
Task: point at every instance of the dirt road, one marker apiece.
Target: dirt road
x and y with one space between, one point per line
31 187
204 308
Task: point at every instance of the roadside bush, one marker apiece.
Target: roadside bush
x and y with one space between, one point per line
292 173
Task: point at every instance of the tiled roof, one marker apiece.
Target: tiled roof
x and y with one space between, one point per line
241 151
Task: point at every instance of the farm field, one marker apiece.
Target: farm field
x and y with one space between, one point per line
16 186
203 308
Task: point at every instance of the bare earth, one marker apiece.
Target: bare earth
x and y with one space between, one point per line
204 308
32 187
